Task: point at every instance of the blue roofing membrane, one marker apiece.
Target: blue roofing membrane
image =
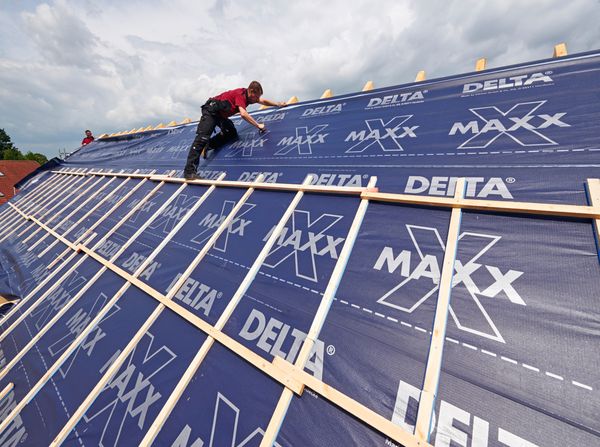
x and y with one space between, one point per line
520 360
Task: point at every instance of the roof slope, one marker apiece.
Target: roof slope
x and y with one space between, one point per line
159 311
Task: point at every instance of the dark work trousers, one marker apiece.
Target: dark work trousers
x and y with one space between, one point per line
209 120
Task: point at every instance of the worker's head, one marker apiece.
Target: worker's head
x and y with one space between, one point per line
88 133
255 91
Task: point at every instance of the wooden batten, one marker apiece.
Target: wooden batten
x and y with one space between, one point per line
548 209
369 85
420 76
560 50
327 94
594 192
480 64
436 347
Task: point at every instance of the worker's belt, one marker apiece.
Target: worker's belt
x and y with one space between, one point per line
214 106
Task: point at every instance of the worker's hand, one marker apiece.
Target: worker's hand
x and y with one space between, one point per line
281 104
262 128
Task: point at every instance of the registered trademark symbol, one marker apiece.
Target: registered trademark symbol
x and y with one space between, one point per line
330 350
425 91
510 180
219 295
365 176
548 72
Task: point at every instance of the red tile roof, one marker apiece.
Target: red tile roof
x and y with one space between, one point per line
11 171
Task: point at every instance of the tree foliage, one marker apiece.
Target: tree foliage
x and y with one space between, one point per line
12 154
8 151
5 142
36 156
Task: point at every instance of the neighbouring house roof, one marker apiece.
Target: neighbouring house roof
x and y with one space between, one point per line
11 171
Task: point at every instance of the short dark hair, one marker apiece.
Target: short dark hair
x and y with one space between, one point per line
255 87
88 130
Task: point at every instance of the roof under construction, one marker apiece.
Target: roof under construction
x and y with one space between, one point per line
413 265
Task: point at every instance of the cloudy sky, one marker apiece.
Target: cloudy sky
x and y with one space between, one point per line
112 65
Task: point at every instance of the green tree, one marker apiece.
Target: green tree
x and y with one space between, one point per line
12 154
8 151
5 142
40 158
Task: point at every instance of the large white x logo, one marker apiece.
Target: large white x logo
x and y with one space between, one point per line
306 239
424 280
386 135
304 140
515 123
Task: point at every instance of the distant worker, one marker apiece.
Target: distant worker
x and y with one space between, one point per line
88 138
216 112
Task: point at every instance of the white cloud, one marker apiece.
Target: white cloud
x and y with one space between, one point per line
60 36
109 65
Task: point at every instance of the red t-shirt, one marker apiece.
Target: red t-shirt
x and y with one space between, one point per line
87 140
237 98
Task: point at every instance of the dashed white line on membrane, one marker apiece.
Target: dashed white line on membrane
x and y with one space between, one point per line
506 359
420 329
581 385
475 348
533 151
554 376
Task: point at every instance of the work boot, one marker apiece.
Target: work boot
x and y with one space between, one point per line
194 176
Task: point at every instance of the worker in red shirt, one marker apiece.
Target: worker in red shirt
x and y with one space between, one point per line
216 112
88 138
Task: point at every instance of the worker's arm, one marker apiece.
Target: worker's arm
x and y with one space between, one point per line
246 116
266 102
